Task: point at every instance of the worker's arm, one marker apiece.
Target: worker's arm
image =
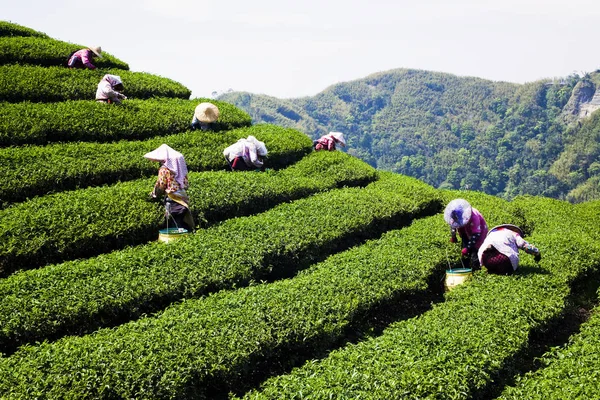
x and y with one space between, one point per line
528 248
254 156
330 144
85 59
471 242
161 183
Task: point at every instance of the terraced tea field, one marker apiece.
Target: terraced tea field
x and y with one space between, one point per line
320 278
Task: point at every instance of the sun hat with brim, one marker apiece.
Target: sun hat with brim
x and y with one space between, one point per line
511 227
340 137
206 112
458 213
97 50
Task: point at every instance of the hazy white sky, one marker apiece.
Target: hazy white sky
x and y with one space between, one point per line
294 49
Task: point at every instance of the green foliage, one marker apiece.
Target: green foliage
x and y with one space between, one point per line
83 223
49 84
457 349
230 330
11 29
82 295
37 170
451 132
47 52
90 121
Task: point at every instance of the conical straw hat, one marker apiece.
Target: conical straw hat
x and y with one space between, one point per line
206 112
97 50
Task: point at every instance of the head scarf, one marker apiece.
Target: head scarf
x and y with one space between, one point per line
261 149
113 80
172 159
458 213
339 137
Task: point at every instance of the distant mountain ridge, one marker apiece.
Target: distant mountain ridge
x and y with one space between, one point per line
455 132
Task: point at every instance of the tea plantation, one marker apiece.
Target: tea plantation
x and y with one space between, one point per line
320 278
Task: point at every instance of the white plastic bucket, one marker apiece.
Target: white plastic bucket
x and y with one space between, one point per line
455 277
171 234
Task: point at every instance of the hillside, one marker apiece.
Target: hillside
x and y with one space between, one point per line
455 132
318 278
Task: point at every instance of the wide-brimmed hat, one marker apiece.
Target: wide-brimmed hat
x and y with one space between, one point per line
512 227
97 50
206 112
339 137
458 213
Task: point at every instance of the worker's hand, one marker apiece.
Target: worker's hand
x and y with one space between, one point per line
537 257
464 252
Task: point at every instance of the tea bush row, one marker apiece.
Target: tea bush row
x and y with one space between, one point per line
12 29
48 52
50 84
87 222
459 348
79 296
38 170
570 371
200 347
90 121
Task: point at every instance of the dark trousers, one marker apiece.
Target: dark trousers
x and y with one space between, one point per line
174 216
496 262
238 164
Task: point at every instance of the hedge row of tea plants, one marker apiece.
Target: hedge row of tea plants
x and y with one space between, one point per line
78 296
569 372
459 348
49 84
87 222
207 347
48 52
90 121
37 170
12 29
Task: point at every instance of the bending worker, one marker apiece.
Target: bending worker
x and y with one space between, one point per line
328 142
171 185
204 116
246 154
470 225
499 253
83 58
109 90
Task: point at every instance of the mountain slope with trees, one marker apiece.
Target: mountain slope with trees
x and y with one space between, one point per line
456 132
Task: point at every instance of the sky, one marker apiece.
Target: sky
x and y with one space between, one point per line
299 48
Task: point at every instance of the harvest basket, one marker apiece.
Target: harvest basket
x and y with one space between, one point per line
171 234
455 277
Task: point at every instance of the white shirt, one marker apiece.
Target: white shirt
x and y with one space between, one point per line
506 242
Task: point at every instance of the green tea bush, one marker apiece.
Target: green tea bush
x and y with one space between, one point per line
37 170
79 296
50 84
458 348
47 52
11 29
213 345
569 372
90 121
87 222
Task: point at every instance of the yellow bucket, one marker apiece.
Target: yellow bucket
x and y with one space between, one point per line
171 234
455 277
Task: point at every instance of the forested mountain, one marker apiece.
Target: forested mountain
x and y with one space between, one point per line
506 139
